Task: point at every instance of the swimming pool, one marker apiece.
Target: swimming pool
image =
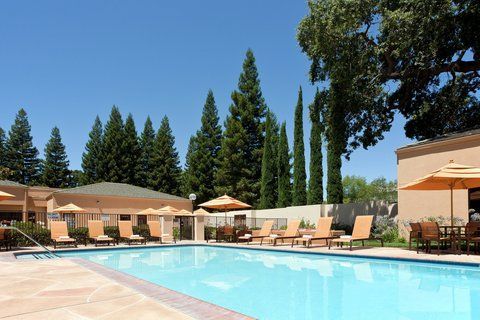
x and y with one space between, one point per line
284 285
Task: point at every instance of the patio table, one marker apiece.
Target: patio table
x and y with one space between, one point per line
455 233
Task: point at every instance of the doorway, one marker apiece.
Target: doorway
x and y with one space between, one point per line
186 228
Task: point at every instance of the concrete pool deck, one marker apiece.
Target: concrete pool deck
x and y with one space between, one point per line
72 288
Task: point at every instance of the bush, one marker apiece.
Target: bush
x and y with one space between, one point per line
79 234
306 224
386 228
210 232
37 231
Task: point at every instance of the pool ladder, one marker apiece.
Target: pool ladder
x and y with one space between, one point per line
48 255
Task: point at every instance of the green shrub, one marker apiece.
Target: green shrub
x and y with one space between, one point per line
306 224
37 231
176 233
386 228
79 234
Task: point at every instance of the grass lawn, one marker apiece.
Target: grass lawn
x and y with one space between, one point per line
374 243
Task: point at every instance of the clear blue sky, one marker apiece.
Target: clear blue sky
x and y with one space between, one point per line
67 61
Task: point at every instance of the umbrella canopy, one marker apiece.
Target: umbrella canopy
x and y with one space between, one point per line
201 212
5 196
70 208
451 177
147 212
167 211
225 202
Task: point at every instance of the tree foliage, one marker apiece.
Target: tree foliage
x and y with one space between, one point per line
357 189
419 58
132 153
299 197
55 170
145 161
92 157
269 178
315 185
21 157
113 160
166 172
284 170
242 145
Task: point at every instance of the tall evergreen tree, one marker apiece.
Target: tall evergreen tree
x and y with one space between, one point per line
2 148
315 185
55 172
166 172
92 157
244 138
131 150
336 138
21 156
147 140
269 179
299 174
113 160
203 157
283 167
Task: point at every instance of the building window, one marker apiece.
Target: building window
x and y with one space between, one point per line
124 217
142 219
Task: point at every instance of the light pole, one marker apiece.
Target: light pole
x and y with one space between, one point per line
193 197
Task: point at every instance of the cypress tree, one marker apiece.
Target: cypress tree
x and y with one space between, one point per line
21 156
283 167
92 157
131 151
166 172
299 174
269 181
55 172
147 140
336 137
2 148
113 160
315 185
203 154
244 138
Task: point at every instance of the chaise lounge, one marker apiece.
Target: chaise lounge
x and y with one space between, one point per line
126 233
323 232
156 232
96 233
361 232
59 234
264 232
290 233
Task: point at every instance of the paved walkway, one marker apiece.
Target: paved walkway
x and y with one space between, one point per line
62 289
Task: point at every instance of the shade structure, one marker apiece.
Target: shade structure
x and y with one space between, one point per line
70 208
185 213
5 196
451 177
147 212
167 211
225 203
201 213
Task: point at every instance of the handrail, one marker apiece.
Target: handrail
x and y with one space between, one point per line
31 239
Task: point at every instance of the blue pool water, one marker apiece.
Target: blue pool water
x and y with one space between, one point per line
280 285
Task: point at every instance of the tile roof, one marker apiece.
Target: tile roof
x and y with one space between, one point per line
448 136
8 183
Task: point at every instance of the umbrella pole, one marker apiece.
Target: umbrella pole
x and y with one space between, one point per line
451 205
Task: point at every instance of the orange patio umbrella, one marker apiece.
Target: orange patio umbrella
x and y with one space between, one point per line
225 203
70 208
5 196
147 212
451 177
167 211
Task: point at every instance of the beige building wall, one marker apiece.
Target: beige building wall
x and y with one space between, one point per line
418 160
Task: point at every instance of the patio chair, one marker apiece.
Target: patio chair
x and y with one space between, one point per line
126 233
323 232
361 232
264 232
290 233
156 232
5 239
59 234
472 234
415 234
431 233
228 233
97 234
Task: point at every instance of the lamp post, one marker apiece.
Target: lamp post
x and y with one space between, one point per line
193 197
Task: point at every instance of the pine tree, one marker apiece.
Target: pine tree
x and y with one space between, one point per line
202 158
2 148
269 181
113 160
284 167
242 146
336 138
55 172
21 156
315 185
147 140
299 174
92 157
131 150
166 172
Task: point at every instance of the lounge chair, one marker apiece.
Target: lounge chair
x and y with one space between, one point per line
59 234
126 233
323 232
361 232
156 232
290 233
264 232
97 234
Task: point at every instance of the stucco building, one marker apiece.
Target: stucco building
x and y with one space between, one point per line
418 159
